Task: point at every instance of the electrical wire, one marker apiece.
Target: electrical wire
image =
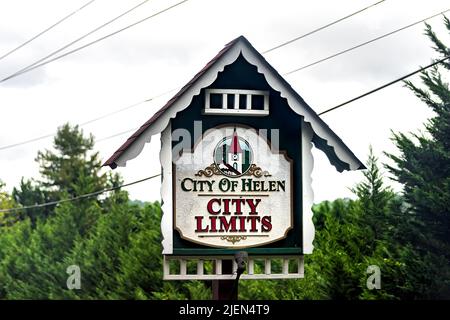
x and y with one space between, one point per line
131 106
46 30
363 44
128 107
83 196
23 70
383 86
115 135
92 42
321 28
118 134
82 124
89 122
330 109
88 195
264 52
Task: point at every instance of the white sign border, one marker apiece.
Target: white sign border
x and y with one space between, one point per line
291 188
308 230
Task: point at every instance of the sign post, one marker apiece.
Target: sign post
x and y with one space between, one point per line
236 172
225 289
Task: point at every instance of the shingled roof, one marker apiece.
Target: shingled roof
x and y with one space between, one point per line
324 138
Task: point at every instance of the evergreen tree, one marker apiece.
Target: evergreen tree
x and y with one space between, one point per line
6 202
71 169
374 198
30 193
72 165
423 167
33 263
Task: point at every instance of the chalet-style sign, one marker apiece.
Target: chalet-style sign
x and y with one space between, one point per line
236 168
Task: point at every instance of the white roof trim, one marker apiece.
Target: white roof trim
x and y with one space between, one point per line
274 80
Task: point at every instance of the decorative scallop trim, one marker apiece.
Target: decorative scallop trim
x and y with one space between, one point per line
179 105
308 194
165 157
318 126
311 124
253 57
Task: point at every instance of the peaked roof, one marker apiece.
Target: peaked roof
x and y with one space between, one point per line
323 137
235 147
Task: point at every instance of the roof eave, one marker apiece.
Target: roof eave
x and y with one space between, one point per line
334 148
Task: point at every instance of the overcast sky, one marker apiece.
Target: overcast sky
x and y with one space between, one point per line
165 52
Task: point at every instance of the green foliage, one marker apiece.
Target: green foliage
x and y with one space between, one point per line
374 199
29 193
72 165
423 168
117 242
6 202
68 170
350 236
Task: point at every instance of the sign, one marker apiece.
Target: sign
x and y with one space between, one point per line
232 190
236 159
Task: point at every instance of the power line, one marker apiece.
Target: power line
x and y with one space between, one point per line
330 109
92 42
82 124
26 141
115 112
384 86
77 40
46 30
92 194
128 107
133 105
321 28
34 65
115 135
140 4
83 196
392 32
364 43
88 122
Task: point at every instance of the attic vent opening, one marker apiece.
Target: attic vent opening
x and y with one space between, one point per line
237 102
